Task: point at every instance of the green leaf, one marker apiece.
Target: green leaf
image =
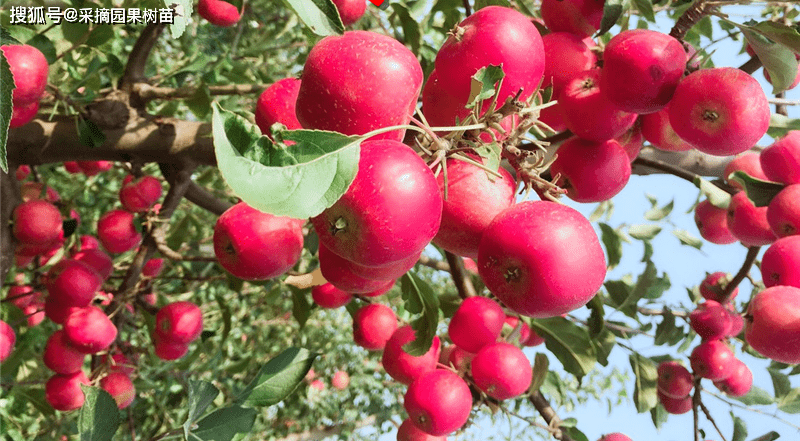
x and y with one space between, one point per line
99 417
644 231
223 424
618 293
200 101
657 214
659 415
184 9
7 38
758 191
569 342
6 107
716 196
480 4
612 11
225 309
771 436
412 35
419 298
643 284
613 243
603 344
485 83
645 8
780 33
541 365
756 396
201 395
45 46
667 332
780 382
645 389
299 181
301 308
321 16
575 434
739 429
777 59
278 378
90 134
790 403
780 125
596 322
100 35
688 238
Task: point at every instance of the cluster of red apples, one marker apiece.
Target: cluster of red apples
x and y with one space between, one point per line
75 298
224 14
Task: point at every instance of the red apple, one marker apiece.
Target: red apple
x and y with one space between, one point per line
276 104
137 196
748 162
121 388
64 393
748 223
657 129
565 54
587 111
739 383
772 324
409 432
29 68
218 12
72 283
373 325
179 322
22 114
459 359
632 141
501 370
675 406
169 350
384 79
37 222
403 367
89 330
7 340
371 224
152 267
350 10
339 273
23 171
473 199
712 222
340 380
476 323
253 245
641 69
92 168
674 380
117 233
720 111
97 260
329 297
615 437
712 359
60 356
534 274
438 402
783 212
57 312
710 320
713 287
37 190
579 17
781 160
591 171
780 264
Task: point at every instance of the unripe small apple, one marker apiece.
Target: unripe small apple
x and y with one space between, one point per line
403 367
60 356
37 190
476 323
373 325
218 12
340 380
712 359
7 340
674 380
179 322
438 402
739 383
120 387
117 233
783 212
712 222
501 370
64 393
89 330
37 222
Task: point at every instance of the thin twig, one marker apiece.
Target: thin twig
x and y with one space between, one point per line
433 263
550 417
751 409
467 8
749 260
696 402
710 418
460 277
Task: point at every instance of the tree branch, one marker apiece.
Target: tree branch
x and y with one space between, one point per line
681 164
201 197
146 92
550 417
689 18
433 263
323 432
9 199
137 59
749 260
460 277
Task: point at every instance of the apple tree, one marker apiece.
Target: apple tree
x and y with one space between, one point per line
316 219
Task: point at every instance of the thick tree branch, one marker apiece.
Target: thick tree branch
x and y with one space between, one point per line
205 200
692 161
137 60
751 65
689 18
433 263
146 92
550 417
9 199
460 277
